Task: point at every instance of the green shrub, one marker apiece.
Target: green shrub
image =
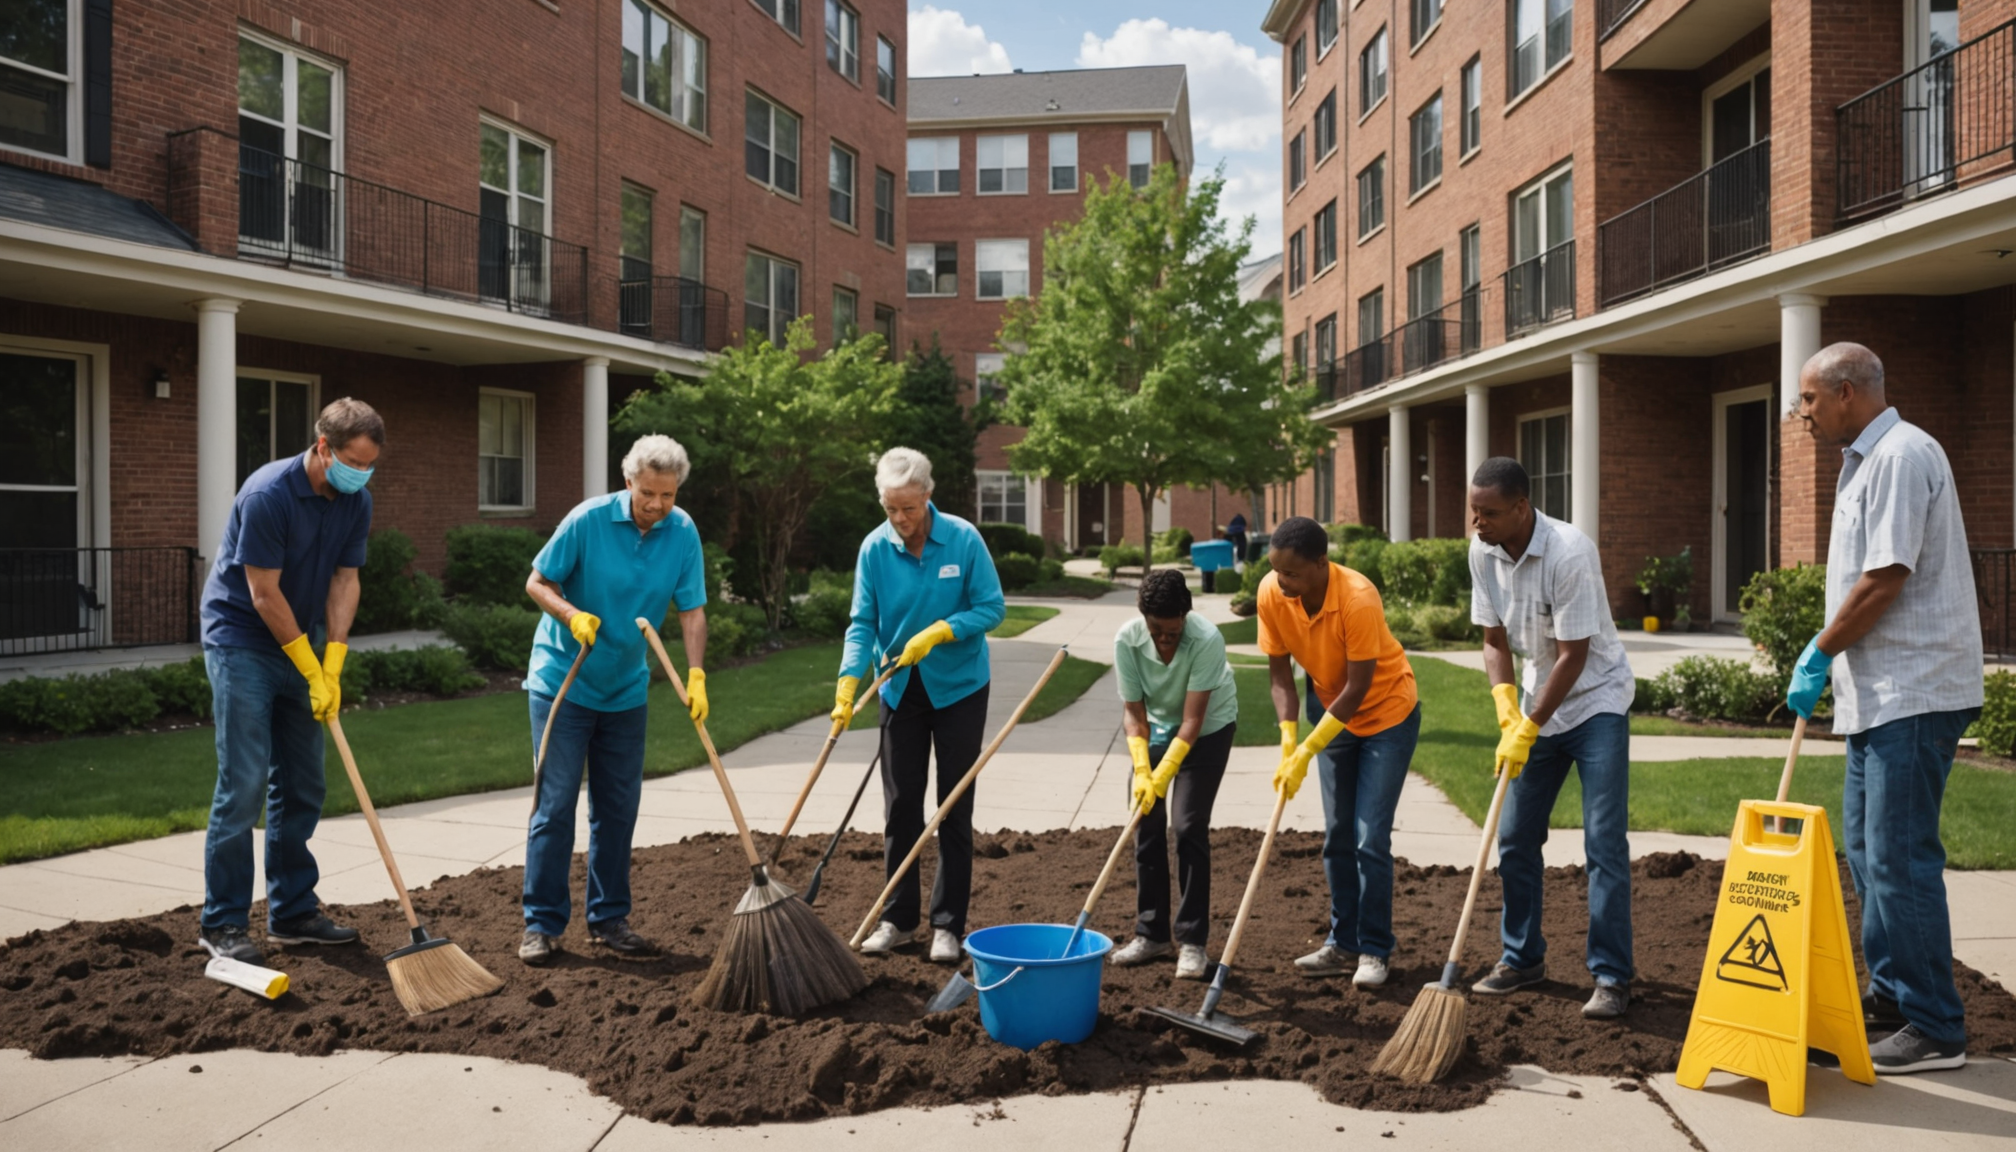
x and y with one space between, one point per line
489 564
494 635
1426 625
717 572
1242 603
75 704
1364 557
1653 696
1049 568
388 596
824 612
1177 540
733 629
1249 585
1673 574
1017 571
1114 557
1003 539
1716 689
1345 534
1996 728
1226 580
1783 609
1424 571
183 687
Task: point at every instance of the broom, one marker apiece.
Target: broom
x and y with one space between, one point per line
1431 1036
431 973
777 955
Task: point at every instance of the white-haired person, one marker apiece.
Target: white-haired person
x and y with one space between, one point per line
614 558
923 585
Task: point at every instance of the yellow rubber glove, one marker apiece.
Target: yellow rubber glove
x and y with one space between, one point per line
921 644
1295 765
303 656
696 695
843 702
583 626
1165 772
333 656
1506 697
1517 744
1291 735
1144 787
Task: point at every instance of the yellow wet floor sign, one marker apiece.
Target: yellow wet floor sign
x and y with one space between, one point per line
1779 977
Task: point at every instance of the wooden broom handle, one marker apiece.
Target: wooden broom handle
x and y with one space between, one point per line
371 818
1785 777
958 791
713 757
1253 883
819 766
552 714
1106 873
1483 854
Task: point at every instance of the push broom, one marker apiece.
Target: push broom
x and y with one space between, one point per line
431 973
777 955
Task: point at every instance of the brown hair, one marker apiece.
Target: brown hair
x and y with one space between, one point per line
346 419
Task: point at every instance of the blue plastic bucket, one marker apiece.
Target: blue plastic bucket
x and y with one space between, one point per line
1027 993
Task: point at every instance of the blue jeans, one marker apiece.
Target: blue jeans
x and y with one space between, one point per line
1601 748
1361 778
1890 801
268 747
609 746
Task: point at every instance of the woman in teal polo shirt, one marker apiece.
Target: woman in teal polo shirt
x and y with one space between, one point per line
1180 711
614 558
925 581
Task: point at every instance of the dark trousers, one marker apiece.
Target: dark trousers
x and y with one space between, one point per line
1190 798
910 732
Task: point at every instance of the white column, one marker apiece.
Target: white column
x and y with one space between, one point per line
216 419
1476 431
1585 490
1798 340
1399 475
594 426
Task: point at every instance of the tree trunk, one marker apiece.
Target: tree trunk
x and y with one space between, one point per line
1147 528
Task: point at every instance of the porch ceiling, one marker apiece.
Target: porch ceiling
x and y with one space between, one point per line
1685 39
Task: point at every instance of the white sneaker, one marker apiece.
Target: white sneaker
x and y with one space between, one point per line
1191 963
1140 950
1371 971
944 947
883 940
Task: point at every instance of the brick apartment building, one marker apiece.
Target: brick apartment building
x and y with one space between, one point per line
1603 236
993 162
490 220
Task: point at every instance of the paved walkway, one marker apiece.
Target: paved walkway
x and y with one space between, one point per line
1066 772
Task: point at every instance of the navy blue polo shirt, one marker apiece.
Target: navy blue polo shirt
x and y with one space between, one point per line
280 521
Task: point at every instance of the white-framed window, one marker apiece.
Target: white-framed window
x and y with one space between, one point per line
275 416
931 269
770 144
843 39
933 165
664 64
1736 111
784 12
1372 73
1325 240
41 69
846 315
987 375
1298 266
46 479
1140 157
289 109
1326 125
885 207
885 69
840 164
1540 40
1064 162
1326 26
1422 15
1003 267
692 243
885 324
636 226
1543 214
1372 198
1298 160
1326 341
1004 498
1001 164
1371 316
769 296
1470 257
1473 105
1543 448
1424 287
514 251
1424 131
504 439
1298 65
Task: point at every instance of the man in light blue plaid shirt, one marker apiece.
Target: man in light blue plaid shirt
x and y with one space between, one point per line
1903 643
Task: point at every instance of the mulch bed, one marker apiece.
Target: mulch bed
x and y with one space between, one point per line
628 1029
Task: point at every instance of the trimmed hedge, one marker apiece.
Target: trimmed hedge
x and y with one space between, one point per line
1017 571
1426 571
1226 580
494 635
1715 689
390 598
1003 539
489 564
1114 557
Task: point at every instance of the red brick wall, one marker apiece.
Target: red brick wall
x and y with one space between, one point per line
1823 52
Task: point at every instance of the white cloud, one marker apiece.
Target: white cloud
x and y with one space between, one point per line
1235 92
942 43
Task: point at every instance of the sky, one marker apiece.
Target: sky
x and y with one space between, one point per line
1234 73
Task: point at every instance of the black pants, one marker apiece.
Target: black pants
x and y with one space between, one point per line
909 733
1191 796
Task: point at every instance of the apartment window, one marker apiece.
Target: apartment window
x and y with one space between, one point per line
1004 268
1543 215
1004 498
664 64
1326 341
1326 125
1326 25
276 419
1371 316
1298 353
769 296
1298 64
1543 449
692 244
1372 198
287 110
1140 158
1063 162
885 69
770 144
1739 116
1424 131
1470 258
1473 105
934 165
503 450
885 207
1298 160
1001 164
843 39
636 209
885 326
785 12
1540 40
1325 240
987 378
840 185
1298 268
1372 73
512 255
1424 287
846 315
932 269
40 62
1423 16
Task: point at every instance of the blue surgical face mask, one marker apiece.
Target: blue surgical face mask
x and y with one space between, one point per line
344 478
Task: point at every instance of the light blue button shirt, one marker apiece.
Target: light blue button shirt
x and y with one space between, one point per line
897 595
1199 665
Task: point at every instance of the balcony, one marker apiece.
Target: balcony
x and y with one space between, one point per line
1715 218
671 309
76 599
1540 290
1448 333
1940 126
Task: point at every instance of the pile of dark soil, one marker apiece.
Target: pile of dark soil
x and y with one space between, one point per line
628 1029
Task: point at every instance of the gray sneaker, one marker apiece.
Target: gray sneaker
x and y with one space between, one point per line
537 948
1608 1003
1140 950
314 928
1909 1050
232 942
1329 960
1505 979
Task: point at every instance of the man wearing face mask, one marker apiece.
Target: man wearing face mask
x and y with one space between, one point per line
287 564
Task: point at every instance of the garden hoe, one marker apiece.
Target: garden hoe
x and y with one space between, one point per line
819 873
553 713
819 765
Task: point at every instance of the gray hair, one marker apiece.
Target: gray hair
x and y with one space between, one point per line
903 468
1850 363
656 453
346 419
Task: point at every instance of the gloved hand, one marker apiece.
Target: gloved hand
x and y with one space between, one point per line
333 655
1291 735
1295 765
843 702
1809 679
1517 744
921 644
1165 772
1506 697
1144 788
696 695
303 657
583 626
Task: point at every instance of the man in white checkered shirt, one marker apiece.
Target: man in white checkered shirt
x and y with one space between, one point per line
1903 641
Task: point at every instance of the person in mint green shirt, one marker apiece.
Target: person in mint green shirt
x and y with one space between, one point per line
1180 711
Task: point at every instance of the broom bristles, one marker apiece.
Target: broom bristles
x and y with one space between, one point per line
779 957
1429 1040
439 977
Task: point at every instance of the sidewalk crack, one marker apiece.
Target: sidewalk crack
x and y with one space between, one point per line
1651 1093
605 1132
74 1091
1097 769
1135 1118
298 1103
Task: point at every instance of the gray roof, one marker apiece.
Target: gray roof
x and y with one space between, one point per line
59 202
1153 92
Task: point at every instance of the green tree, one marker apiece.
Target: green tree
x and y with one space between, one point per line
1139 364
771 431
930 418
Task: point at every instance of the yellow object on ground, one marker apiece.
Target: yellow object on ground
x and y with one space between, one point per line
252 978
1651 623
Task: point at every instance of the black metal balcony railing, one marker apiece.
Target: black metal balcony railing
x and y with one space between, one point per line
1713 218
73 599
1611 15
1451 331
1994 581
671 309
1946 122
1540 290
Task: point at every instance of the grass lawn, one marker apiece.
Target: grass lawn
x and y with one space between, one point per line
1021 618
1245 631
1070 587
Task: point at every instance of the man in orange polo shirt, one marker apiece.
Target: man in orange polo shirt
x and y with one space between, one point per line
1367 714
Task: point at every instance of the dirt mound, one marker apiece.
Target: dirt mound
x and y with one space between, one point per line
628 1029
